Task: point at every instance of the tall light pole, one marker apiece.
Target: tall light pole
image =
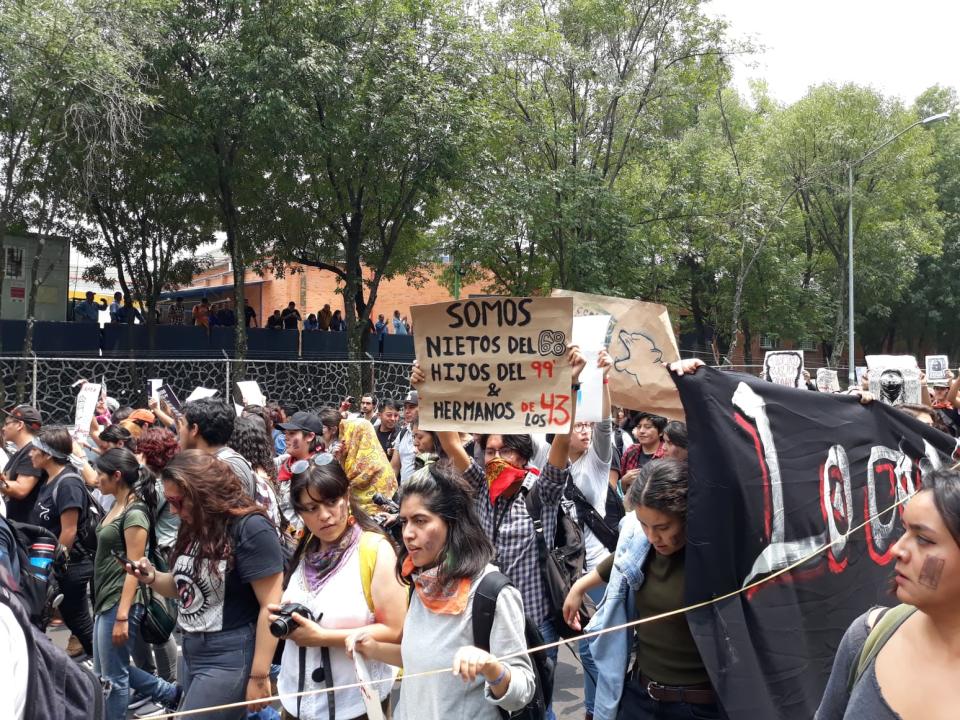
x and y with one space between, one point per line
851 371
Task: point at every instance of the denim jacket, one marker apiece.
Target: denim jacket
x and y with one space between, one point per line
611 651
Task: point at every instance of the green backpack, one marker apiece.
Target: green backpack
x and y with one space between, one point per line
886 624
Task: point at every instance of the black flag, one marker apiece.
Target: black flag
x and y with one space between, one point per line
776 473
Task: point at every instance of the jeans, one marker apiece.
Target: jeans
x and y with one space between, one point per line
75 608
637 705
586 659
112 663
550 635
215 671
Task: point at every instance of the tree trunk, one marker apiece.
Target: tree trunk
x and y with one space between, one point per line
747 343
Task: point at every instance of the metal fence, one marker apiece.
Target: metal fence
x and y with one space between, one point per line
48 383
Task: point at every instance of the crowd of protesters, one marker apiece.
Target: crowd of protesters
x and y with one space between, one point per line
350 531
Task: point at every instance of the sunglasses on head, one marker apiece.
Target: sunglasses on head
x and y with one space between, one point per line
320 459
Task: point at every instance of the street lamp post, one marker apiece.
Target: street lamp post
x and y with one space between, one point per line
851 370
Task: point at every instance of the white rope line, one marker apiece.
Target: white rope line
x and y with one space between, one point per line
548 646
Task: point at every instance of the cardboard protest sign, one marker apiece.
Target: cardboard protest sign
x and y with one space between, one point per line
590 335
827 380
798 471
937 367
639 339
248 392
784 367
495 364
200 393
87 400
894 379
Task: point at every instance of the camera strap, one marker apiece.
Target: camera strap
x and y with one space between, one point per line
323 673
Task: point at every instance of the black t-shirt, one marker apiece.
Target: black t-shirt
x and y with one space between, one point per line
20 464
386 438
249 314
274 322
290 319
58 495
201 595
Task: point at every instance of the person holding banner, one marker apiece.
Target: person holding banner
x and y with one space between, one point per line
903 663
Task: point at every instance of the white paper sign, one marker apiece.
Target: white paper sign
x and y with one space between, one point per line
250 393
154 386
784 367
937 367
590 334
200 393
894 379
827 380
238 408
86 407
368 691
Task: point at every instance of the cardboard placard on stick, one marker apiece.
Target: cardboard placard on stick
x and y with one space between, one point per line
639 339
784 367
894 379
495 364
937 367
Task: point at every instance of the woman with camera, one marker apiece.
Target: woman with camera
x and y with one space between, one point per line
125 532
444 557
227 568
343 579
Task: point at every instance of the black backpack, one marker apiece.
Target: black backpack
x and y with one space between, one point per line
91 516
562 565
57 687
39 592
484 609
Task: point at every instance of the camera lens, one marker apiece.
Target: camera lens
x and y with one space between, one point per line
281 627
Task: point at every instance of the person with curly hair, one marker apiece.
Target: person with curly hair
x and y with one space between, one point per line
226 548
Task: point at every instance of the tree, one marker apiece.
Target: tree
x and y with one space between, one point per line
384 108
895 220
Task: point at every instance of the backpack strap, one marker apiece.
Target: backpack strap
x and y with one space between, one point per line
885 625
485 607
369 547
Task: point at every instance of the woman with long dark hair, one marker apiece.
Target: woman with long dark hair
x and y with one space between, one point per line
444 557
344 575
645 577
910 669
126 529
63 503
227 568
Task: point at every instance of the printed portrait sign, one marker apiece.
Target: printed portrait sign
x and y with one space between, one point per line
937 367
827 380
639 339
86 407
894 379
495 364
784 367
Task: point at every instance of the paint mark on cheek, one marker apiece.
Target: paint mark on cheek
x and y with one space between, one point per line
931 572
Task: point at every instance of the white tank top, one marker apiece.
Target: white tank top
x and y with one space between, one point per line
343 606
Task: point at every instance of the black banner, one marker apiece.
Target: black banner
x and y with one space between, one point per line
776 473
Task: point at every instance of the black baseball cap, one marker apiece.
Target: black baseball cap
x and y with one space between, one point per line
305 421
28 415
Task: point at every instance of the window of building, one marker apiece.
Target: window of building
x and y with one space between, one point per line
810 345
14 263
769 342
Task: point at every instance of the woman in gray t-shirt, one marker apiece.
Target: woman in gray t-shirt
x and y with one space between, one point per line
915 673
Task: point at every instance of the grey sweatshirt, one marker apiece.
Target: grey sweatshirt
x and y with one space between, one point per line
430 641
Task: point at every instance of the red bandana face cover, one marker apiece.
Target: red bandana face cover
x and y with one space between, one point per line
503 479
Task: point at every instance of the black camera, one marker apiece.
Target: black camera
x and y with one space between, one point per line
285 624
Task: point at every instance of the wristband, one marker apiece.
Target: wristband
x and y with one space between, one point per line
606 381
500 677
259 677
120 619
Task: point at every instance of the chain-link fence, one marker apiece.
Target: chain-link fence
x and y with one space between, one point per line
49 384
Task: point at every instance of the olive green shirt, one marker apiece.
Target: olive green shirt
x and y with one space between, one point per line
108 574
666 652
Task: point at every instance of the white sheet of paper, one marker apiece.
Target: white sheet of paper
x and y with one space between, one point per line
200 393
251 393
368 691
239 409
155 384
86 407
937 367
590 333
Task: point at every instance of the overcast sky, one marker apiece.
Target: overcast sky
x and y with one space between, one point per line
899 48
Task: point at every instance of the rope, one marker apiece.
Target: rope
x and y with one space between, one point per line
596 633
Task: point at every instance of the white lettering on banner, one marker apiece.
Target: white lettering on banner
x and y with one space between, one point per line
836 495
